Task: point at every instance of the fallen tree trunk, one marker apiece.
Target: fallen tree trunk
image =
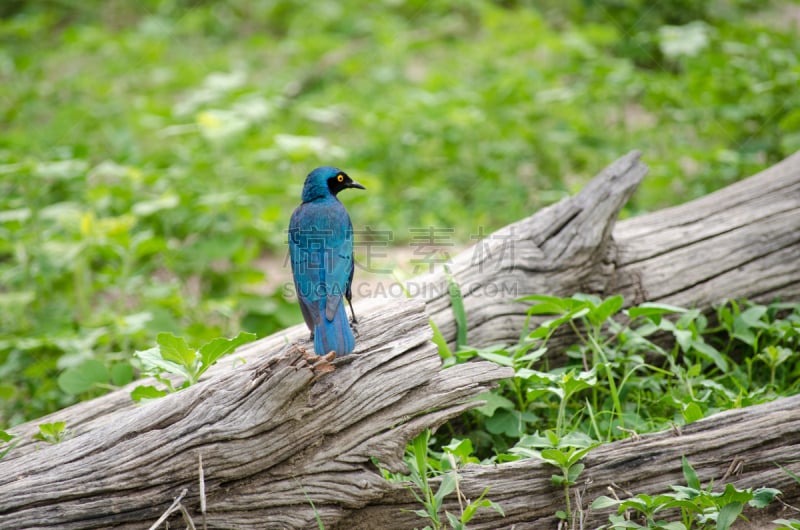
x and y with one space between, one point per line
277 428
274 434
741 446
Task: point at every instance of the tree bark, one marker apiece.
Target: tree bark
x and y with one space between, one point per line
741 446
277 432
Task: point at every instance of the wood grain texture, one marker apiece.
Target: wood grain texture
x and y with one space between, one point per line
560 250
270 431
748 441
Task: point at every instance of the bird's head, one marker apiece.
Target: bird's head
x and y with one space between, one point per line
325 181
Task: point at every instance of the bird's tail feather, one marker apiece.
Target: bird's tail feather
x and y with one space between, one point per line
333 335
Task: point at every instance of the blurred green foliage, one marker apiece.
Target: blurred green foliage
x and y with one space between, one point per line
151 152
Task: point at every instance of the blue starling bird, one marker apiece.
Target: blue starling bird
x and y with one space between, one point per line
321 251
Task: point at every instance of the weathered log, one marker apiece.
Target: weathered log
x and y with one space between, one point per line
741 446
275 434
274 429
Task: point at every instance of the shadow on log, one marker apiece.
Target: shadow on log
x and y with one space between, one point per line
277 431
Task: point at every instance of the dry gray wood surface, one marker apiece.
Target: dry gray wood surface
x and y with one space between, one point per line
741 446
273 429
270 432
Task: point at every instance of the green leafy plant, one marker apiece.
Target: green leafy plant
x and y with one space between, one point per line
709 510
92 373
423 468
52 433
617 381
563 452
788 524
628 371
457 305
7 443
173 357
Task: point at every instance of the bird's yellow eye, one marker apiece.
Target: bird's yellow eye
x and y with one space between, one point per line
340 177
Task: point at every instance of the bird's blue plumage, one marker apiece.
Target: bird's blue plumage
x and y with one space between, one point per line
321 251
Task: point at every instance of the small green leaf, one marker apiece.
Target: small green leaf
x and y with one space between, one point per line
7 443
692 412
685 492
494 401
454 521
121 373
603 502
605 310
154 363
51 432
751 317
149 207
459 448
653 312
574 472
728 515
572 382
146 392
536 440
444 350
787 524
446 487
689 473
505 421
532 356
83 377
684 338
497 358
710 353
176 350
547 304
459 313
212 351
555 456
763 497
480 502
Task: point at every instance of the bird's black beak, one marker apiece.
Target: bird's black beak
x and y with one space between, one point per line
355 184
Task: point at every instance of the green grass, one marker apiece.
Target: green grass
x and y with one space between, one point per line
151 152
649 368
618 381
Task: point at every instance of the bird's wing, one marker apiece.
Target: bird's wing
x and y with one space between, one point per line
349 293
305 278
339 268
321 251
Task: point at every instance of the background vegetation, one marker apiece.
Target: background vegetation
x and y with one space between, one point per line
151 152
